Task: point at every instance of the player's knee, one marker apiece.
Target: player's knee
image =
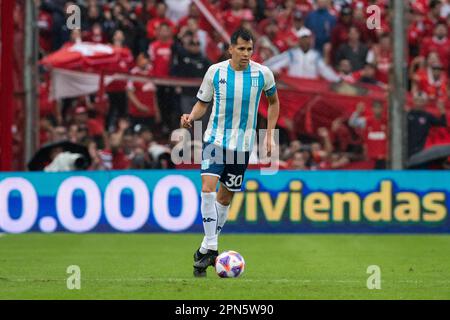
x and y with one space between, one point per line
208 189
224 200
224 203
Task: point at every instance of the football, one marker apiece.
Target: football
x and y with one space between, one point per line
230 264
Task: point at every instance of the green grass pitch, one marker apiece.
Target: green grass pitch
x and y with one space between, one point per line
159 266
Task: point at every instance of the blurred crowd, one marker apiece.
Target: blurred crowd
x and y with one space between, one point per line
323 39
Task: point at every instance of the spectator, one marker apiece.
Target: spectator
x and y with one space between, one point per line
340 33
420 121
46 127
374 128
146 10
144 108
93 16
294 146
270 13
345 140
302 62
439 43
298 24
193 12
101 159
188 61
416 30
345 71
381 56
273 34
432 81
368 75
321 22
232 17
44 25
433 16
193 27
116 90
353 50
161 18
75 36
297 162
121 145
59 133
264 50
60 31
160 53
96 34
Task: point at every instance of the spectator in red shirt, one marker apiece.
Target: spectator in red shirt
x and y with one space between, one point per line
381 56
154 24
272 32
264 50
340 33
433 82
141 95
160 52
193 27
192 13
298 23
375 131
270 13
47 106
439 43
232 18
45 24
345 71
116 90
298 161
121 145
416 30
433 16
96 34
146 10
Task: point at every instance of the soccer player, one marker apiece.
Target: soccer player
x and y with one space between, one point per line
235 87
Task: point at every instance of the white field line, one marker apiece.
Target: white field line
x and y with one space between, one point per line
240 279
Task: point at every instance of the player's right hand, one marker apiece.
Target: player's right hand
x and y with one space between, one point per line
186 121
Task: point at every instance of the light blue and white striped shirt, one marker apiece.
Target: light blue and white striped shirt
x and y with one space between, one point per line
235 96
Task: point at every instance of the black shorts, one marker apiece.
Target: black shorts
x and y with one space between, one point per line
228 165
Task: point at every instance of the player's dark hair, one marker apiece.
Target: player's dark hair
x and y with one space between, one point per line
244 34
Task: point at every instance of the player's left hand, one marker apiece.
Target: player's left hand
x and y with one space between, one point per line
269 144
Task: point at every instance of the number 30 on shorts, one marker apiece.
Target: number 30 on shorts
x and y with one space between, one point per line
234 181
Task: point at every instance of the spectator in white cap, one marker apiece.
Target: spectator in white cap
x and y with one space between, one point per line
302 62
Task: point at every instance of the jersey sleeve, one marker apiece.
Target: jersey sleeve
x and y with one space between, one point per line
206 91
269 82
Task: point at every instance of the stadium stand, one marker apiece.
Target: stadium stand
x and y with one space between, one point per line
334 96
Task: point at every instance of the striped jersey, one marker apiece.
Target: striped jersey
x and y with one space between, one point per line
235 96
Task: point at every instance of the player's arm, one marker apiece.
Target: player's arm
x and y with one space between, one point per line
273 110
204 96
197 112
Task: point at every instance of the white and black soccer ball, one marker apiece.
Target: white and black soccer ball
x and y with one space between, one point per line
230 264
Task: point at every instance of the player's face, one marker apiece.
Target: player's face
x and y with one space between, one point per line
241 52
